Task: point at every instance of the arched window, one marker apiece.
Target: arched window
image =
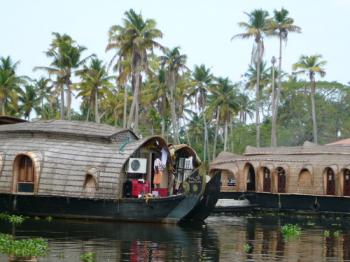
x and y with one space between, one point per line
90 185
281 180
250 174
24 174
305 182
346 182
266 179
330 181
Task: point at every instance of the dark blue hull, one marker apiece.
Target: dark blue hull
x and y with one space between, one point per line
293 202
128 209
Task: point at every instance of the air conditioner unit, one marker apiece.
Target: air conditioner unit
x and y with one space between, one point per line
137 165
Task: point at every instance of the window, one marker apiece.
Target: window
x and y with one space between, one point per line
24 174
90 185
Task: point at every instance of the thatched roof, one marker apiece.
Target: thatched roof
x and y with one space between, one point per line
76 128
306 149
185 149
345 142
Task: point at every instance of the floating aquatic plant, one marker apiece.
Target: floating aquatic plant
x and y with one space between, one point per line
88 257
326 233
247 248
290 230
36 247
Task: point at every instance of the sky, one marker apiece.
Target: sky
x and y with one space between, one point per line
202 28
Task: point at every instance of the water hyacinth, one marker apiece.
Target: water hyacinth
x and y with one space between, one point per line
290 230
23 247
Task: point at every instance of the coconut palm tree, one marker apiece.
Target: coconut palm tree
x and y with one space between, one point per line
173 61
66 60
28 100
156 92
203 79
281 25
133 41
256 27
9 83
43 87
311 66
95 83
223 101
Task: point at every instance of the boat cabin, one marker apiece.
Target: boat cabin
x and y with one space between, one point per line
88 160
306 170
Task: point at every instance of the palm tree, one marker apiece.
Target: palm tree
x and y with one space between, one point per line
156 92
173 62
66 56
95 83
28 100
203 79
246 108
280 26
43 88
9 83
133 40
311 66
256 28
223 101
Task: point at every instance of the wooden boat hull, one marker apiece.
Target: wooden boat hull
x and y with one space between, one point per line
127 209
293 202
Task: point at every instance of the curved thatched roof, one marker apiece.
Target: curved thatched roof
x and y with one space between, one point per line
187 149
76 128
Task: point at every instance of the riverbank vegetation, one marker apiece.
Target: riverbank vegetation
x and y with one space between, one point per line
150 88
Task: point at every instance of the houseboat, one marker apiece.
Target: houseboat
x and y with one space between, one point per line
307 178
75 169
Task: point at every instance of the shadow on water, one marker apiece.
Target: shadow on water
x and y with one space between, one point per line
249 237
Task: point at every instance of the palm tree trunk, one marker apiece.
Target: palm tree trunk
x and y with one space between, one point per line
125 106
216 131
163 126
279 86
273 102
313 109
172 87
187 135
97 117
69 100
205 138
62 102
231 135
225 139
3 110
257 104
135 83
137 105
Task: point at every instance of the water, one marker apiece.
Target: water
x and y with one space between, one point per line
222 238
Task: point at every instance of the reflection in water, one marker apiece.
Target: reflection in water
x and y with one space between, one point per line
222 238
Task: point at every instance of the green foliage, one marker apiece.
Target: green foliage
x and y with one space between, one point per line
88 257
326 233
336 233
23 247
290 230
12 219
49 218
247 248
